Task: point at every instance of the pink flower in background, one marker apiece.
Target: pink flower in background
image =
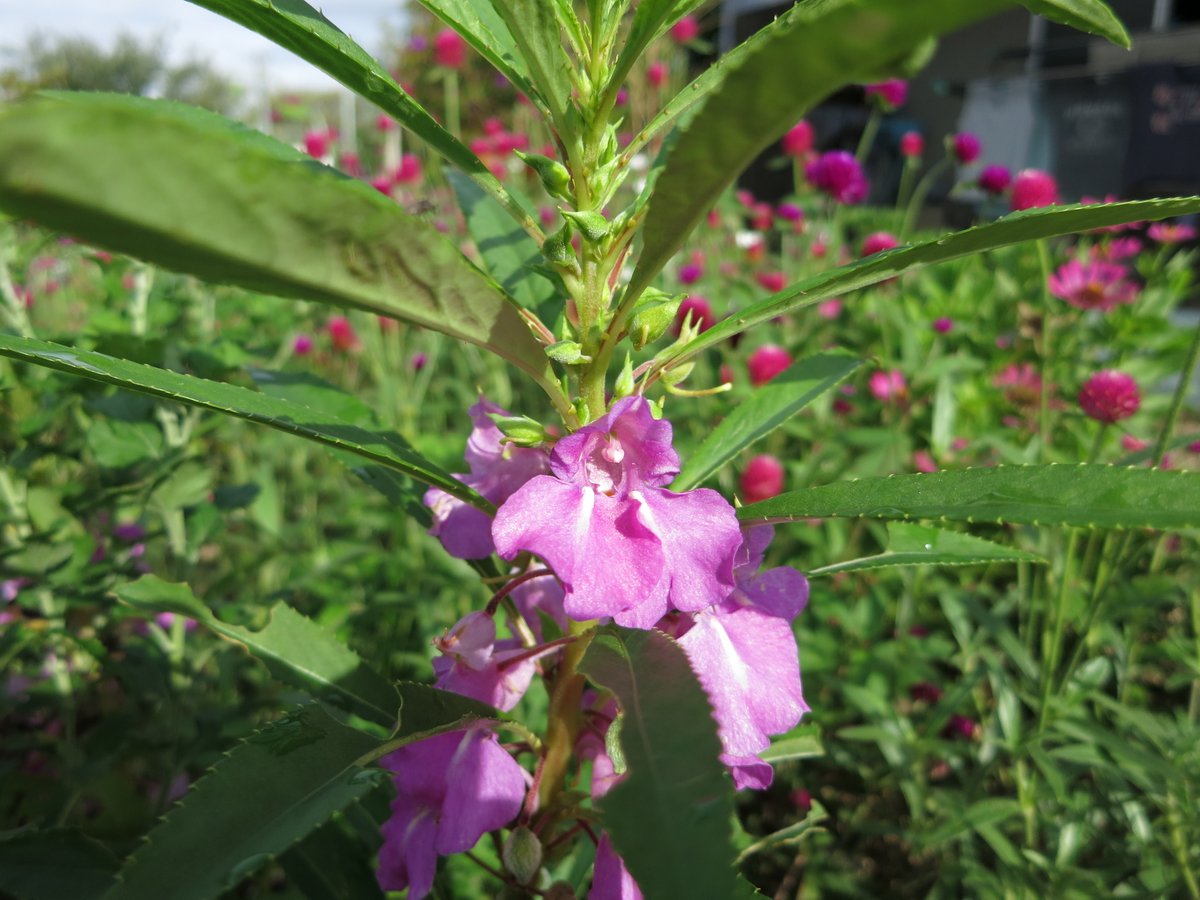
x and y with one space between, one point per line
923 461
451 790
1032 189
830 309
1021 383
419 361
498 469
888 386
384 123
409 171
912 144
744 653
657 74
762 216
1110 396
700 313
891 94
966 147
350 163
1093 285
799 139
317 143
772 281
1117 249
789 212
1171 233
690 273
610 879
342 333
449 49
766 362
762 479
994 179
943 325
839 175
685 30
1132 444
878 242
959 727
621 543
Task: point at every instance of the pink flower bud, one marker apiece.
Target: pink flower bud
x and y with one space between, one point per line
685 30
772 281
966 147
839 175
762 479
830 309
1131 444
995 179
878 242
766 362
789 212
342 333
316 144
1110 396
891 93
409 171
1032 189
690 273
449 49
886 386
923 462
943 325
799 140
384 123
657 73
912 144
302 345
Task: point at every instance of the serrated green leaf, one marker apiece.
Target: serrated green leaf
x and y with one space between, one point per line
298 27
1015 228
293 647
535 29
768 407
669 818
910 544
263 796
485 31
331 865
1092 16
814 48
54 864
196 193
323 427
509 254
1083 496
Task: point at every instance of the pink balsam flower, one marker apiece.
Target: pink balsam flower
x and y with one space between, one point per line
475 665
621 543
451 790
610 879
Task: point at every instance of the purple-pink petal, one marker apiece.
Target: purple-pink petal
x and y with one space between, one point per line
610 879
486 788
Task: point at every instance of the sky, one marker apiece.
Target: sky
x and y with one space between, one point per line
192 32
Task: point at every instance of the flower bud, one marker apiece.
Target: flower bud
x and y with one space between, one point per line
592 225
557 248
520 430
624 384
522 854
569 353
677 374
555 177
652 316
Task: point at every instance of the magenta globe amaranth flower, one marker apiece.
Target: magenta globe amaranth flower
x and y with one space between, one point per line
621 543
450 49
1110 396
912 144
890 94
966 147
995 179
1093 285
450 791
766 362
685 30
839 175
762 479
799 139
878 242
694 309
1032 189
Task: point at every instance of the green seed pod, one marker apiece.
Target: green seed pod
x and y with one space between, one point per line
569 353
522 854
520 430
592 225
625 384
555 177
557 248
652 316
677 374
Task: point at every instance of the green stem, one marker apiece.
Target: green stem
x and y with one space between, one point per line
1181 391
12 309
1044 395
453 111
867 141
904 193
924 186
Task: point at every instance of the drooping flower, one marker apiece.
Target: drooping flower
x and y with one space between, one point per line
890 94
1093 285
966 147
839 175
766 362
621 543
475 665
1032 189
497 469
799 139
995 179
744 654
610 879
450 49
912 144
451 790
878 242
1110 396
762 478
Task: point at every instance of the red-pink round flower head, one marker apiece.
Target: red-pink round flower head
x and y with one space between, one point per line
890 94
449 49
888 386
1093 285
316 143
943 325
1032 189
657 73
1110 396
342 333
878 242
698 310
772 281
685 30
690 273
789 212
762 479
839 175
995 179
384 123
302 345
766 362
799 140
409 171
912 144
966 147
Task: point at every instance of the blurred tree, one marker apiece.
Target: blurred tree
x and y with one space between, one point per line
130 66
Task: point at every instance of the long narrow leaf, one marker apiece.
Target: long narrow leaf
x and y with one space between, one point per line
194 192
1093 16
483 29
322 427
1012 229
535 28
1084 496
910 544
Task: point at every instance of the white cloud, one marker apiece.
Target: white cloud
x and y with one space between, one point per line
192 32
